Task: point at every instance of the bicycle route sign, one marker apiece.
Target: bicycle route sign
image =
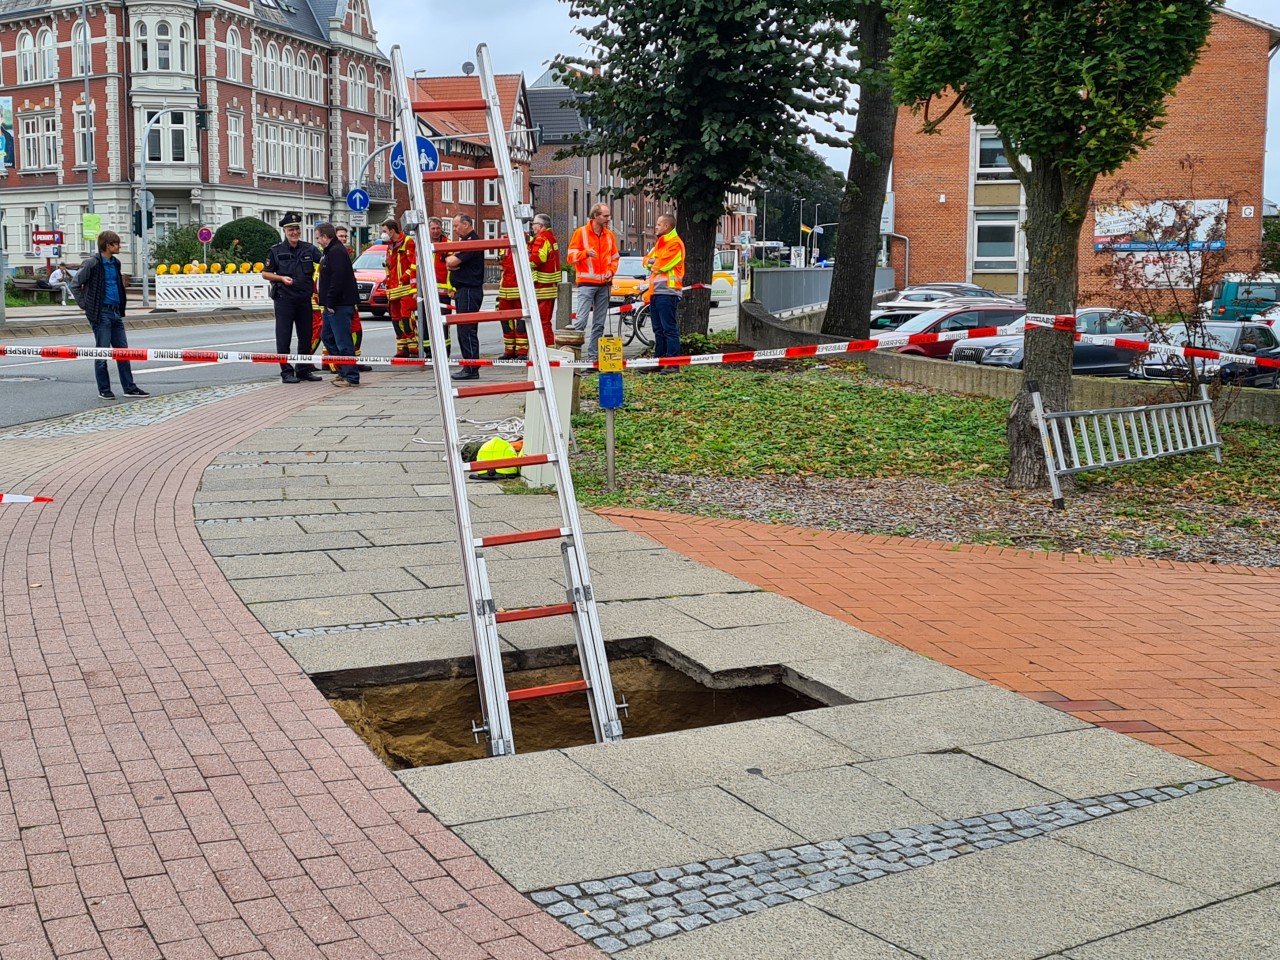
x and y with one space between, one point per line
428 159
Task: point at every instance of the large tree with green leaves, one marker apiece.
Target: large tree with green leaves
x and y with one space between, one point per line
1075 88
697 98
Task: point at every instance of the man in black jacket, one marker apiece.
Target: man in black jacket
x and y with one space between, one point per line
338 296
466 273
291 269
100 291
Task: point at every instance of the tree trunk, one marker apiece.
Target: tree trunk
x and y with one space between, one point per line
699 238
858 241
1056 206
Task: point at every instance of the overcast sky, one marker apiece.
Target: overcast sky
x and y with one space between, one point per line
524 36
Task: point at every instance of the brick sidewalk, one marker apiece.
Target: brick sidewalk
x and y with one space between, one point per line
171 784
1185 656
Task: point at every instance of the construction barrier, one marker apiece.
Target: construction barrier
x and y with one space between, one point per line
211 291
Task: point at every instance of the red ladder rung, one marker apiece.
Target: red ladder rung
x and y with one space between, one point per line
442 176
530 461
493 389
484 316
462 246
550 690
447 106
524 536
535 613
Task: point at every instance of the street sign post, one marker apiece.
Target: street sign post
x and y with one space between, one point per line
46 238
358 200
428 158
360 219
205 236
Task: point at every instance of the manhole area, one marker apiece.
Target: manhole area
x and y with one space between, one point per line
421 724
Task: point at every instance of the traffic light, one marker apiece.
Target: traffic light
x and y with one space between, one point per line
137 222
202 116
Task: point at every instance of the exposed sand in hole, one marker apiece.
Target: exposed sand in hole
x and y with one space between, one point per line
422 724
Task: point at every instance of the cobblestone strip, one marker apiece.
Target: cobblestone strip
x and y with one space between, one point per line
135 413
625 911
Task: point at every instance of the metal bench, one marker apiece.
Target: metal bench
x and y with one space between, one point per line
1079 440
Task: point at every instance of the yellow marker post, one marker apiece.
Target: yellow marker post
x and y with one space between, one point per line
609 356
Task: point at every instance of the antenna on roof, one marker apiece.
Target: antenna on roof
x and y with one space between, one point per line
468 68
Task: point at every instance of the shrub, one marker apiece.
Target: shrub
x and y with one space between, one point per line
246 239
182 246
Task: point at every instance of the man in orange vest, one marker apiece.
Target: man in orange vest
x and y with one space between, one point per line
544 258
666 281
402 288
593 252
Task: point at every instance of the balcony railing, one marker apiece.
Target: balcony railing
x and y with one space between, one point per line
377 189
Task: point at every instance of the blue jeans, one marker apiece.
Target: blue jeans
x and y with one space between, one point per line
666 331
108 331
591 303
336 335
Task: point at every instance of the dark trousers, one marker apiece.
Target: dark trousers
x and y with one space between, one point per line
468 300
336 334
108 331
666 330
293 318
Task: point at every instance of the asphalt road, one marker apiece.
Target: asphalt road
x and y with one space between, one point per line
33 390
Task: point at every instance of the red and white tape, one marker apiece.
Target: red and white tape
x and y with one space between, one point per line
20 498
1147 346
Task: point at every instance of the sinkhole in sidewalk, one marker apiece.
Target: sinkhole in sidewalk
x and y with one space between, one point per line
428 722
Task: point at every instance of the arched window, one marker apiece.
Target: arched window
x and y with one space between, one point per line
46 55
317 80
234 55
257 62
26 58
164 46
362 90
351 85
286 71
79 34
382 105
302 83
273 68
143 47
184 48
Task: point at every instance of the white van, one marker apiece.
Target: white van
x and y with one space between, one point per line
724 278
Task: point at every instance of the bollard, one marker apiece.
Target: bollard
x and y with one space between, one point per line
610 361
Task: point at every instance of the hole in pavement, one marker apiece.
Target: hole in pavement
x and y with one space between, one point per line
428 722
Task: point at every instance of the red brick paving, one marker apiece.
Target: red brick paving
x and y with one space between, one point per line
1185 656
171 784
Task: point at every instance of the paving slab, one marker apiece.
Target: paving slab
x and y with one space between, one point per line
882 672
562 846
252 545
748 608
1227 840
792 932
323 612
716 817
1243 928
619 620
772 644
308 586
368 557
481 790
671 762
284 565
936 721
954 786
374 649
1017 902
1083 763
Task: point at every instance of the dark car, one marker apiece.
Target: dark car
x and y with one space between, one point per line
1088 359
1252 338
946 319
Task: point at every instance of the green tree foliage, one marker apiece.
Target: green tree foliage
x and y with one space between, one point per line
817 184
697 97
246 239
1075 89
182 245
1271 245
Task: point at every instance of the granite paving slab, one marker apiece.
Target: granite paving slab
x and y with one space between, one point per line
1242 928
1016 902
714 816
796 641
300 543
284 565
370 649
308 586
330 611
1228 840
745 609
936 721
404 556
954 785
881 673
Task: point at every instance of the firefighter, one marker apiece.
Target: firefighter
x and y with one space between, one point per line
515 335
544 258
444 287
402 288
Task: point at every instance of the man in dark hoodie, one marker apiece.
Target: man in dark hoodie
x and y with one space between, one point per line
337 295
100 291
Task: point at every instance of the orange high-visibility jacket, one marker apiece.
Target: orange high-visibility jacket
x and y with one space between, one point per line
402 268
666 261
544 258
594 258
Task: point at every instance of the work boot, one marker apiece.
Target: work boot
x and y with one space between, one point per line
466 373
288 376
306 373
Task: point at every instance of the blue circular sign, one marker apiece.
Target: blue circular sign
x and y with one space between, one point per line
428 158
358 200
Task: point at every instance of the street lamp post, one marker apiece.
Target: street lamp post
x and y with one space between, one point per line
91 152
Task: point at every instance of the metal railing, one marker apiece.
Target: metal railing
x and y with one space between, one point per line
786 288
1079 440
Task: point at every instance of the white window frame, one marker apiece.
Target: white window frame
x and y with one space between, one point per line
46 55
989 174
184 48
164 46
235 56
26 58
235 140
28 137
446 186
491 233
166 221
466 188
286 71
78 35
317 154
1002 218
357 153
81 116
273 68
257 67
273 150
491 193
30 222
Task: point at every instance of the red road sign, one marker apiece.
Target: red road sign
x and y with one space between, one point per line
46 238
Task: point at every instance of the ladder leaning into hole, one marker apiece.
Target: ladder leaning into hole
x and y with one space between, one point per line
578 607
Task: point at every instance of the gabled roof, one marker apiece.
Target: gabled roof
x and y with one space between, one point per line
559 123
466 88
1273 39
292 16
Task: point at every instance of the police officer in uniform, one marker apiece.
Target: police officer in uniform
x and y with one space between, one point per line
291 269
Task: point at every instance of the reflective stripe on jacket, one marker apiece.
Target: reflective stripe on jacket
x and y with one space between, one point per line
595 258
508 288
402 268
667 263
544 257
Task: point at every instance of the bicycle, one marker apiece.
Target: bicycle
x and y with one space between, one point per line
635 322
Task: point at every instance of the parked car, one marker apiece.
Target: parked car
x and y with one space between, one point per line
965 316
1090 359
628 280
1238 296
1247 337
371 279
885 320
957 287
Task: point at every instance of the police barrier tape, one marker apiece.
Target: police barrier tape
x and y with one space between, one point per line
887 342
20 498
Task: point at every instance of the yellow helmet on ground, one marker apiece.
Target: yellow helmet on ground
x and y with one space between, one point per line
496 448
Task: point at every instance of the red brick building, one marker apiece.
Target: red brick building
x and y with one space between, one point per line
959 210
298 95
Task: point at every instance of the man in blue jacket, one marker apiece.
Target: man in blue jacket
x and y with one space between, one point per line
338 295
100 291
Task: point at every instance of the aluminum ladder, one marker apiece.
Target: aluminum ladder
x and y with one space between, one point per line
579 604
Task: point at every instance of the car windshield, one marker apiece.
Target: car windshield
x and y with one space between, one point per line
371 260
1215 336
922 321
632 267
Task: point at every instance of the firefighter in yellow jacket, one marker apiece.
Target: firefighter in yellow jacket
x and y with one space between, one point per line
402 288
544 258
